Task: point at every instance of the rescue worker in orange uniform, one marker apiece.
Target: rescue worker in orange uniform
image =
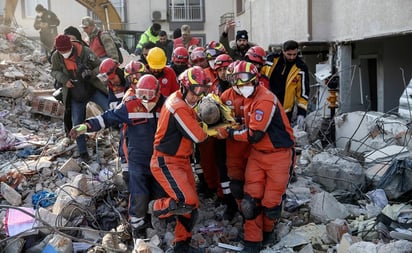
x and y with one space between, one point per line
178 128
271 159
220 85
204 165
257 56
236 152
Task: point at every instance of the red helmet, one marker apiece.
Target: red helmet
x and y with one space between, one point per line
147 88
256 54
191 48
197 55
180 55
229 70
245 72
222 60
134 70
213 49
195 80
107 69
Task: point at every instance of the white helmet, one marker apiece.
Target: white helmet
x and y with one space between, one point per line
208 111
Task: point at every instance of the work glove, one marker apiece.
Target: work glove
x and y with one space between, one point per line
78 130
113 105
300 122
204 126
222 133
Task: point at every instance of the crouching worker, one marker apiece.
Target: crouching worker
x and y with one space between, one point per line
178 129
140 112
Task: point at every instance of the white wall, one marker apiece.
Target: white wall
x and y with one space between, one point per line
68 11
353 19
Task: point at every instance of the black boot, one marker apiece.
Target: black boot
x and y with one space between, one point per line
270 238
231 206
185 247
251 247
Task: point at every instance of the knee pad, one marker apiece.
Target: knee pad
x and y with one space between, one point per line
251 207
273 213
189 223
236 187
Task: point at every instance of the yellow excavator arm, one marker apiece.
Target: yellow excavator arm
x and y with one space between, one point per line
105 11
9 11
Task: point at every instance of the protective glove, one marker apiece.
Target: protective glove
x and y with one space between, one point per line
78 130
300 122
204 126
222 133
113 105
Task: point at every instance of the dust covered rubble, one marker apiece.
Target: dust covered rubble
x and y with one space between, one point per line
333 206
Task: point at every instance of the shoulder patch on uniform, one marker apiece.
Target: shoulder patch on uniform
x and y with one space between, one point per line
258 115
164 80
229 102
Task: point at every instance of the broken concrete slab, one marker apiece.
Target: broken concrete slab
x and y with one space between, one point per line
366 131
385 154
324 207
336 173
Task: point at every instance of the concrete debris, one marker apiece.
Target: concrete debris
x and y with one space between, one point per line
325 207
335 172
336 204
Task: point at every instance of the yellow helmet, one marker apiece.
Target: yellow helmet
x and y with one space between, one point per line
156 58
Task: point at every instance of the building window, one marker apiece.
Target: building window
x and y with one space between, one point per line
240 6
29 7
120 6
186 10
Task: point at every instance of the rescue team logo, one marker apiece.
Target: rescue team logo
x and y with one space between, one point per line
229 102
164 81
258 115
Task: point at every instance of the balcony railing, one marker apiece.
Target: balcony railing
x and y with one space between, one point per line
186 13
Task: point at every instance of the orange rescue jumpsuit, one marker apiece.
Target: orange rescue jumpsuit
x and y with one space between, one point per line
177 130
270 163
237 152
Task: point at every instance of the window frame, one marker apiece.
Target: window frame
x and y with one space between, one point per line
186 11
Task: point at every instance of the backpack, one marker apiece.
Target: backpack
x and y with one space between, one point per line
117 41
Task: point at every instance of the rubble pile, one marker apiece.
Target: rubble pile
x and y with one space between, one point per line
52 201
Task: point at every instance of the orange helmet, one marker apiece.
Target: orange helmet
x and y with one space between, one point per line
213 49
180 55
147 88
245 72
194 79
256 54
222 60
107 69
134 70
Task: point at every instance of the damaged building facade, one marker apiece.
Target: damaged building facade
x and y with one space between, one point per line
367 41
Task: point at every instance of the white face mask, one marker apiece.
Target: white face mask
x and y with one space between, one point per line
67 55
247 91
149 105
